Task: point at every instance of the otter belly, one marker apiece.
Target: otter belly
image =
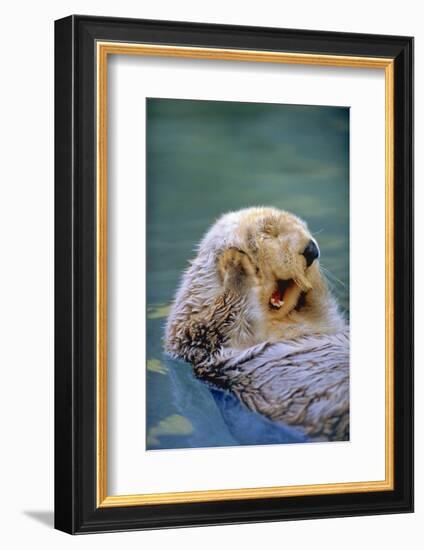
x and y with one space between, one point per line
303 383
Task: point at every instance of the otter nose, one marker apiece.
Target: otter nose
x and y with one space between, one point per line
311 252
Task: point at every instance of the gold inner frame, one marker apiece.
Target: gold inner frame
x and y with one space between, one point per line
103 50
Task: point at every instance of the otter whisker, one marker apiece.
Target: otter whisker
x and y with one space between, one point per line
332 276
302 282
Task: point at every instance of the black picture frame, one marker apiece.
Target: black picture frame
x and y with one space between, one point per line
76 508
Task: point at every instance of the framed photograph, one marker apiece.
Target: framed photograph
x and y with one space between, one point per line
234 271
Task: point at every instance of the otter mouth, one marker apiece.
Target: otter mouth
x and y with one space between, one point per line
282 289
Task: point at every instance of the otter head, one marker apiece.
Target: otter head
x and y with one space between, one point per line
282 250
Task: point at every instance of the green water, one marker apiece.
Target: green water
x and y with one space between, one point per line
205 158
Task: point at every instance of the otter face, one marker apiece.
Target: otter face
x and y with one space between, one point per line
285 256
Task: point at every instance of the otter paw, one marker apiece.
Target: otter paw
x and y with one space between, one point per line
236 269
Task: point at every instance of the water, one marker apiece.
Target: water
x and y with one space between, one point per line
205 158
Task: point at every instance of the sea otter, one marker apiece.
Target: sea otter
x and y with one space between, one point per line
254 314
256 278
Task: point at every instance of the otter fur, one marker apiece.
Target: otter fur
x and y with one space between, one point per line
251 303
